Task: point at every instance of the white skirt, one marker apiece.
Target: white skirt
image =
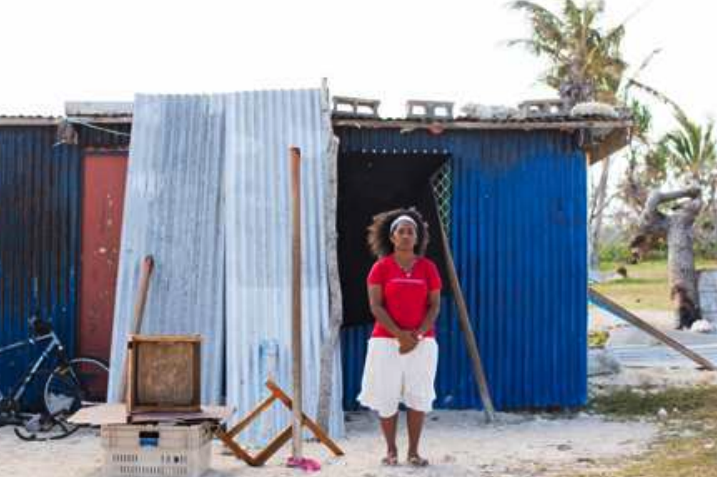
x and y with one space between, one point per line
390 378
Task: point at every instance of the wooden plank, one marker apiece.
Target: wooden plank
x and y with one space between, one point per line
322 436
313 427
273 446
192 339
130 365
236 449
241 425
29 121
604 302
103 414
164 408
296 361
100 120
614 141
331 342
207 413
465 324
147 268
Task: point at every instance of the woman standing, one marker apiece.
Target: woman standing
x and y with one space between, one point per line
404 291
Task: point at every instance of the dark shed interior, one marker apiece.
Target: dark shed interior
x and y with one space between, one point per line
370 184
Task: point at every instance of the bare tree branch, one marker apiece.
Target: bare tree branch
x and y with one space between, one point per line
657 198
605 205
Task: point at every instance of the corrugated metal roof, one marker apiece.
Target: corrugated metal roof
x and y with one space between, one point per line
519 235
21 120
99 108
173 211
39 223
261 126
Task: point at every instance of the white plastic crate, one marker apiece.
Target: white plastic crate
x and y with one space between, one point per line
156 450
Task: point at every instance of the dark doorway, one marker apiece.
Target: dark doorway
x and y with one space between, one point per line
370 184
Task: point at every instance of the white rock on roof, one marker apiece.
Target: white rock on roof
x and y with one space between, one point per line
594 108
490 112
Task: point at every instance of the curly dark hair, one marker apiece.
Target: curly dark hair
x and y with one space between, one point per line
379 232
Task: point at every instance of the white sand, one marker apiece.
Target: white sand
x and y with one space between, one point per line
458 443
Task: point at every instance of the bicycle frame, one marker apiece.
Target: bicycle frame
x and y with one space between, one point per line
30 373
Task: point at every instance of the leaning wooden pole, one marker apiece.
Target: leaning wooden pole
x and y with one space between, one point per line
465 325
295 154
605 303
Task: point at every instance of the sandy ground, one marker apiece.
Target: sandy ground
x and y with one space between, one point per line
458 443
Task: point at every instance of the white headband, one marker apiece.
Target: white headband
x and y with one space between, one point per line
403 218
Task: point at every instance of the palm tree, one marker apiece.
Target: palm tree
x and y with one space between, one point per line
585 60
692 149
585 64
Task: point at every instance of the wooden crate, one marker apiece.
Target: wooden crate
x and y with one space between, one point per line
164 373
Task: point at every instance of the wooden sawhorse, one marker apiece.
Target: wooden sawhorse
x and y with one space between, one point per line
227 436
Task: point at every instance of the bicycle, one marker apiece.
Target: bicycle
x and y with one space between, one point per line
71 384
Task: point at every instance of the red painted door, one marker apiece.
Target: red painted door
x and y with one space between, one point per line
103 184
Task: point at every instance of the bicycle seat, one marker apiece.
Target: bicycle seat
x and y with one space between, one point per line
40 327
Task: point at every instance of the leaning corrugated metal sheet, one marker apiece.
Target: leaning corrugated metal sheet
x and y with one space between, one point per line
260 128
173 211
180 149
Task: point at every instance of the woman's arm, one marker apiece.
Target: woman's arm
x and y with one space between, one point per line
405 338
434 307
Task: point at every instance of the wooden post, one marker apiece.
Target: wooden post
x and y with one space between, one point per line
295 154
465 325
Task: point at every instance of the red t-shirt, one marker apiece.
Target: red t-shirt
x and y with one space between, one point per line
405 295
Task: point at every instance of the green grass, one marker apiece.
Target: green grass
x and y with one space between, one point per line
677 453
630 402
645 287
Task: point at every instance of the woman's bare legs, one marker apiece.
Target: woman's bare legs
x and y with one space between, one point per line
389 426
415 426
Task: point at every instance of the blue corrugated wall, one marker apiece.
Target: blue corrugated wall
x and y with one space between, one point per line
519 237
39 237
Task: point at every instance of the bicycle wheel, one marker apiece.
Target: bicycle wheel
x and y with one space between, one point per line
43 427
80 383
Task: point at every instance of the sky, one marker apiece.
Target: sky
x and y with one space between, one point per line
392 50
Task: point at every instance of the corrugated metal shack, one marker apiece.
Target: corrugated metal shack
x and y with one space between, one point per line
41 202
512 194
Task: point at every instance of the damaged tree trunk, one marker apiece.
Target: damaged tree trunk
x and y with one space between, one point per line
680 247
328 348
597 211
677 229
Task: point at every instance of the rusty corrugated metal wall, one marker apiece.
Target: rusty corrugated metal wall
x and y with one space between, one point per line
40 209
39 213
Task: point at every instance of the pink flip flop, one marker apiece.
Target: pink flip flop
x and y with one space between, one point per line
304 463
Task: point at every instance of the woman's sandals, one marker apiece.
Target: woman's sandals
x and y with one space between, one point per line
417 461
391 460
